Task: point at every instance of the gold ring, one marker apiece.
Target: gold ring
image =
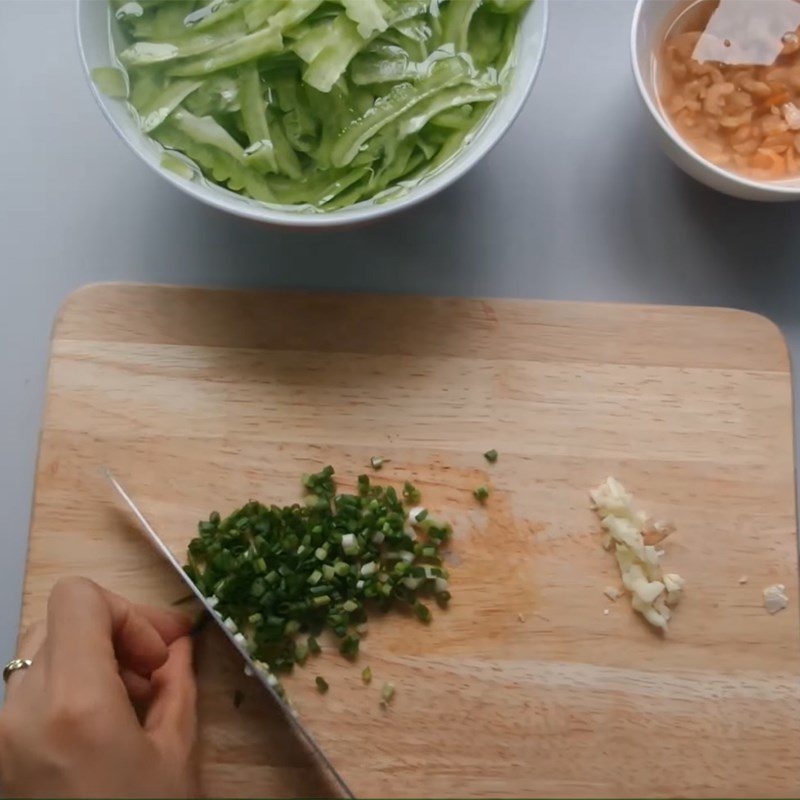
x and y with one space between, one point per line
14 665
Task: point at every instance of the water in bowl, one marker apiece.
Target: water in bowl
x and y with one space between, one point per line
728 77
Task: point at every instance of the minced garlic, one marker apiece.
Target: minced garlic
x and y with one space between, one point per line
628 535
775 598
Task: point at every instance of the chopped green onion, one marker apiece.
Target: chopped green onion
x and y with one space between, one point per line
411 493
481 493
422 611
276 573
376 462
366 675
350 544
443 598
300 652
490 456
322 684
387 693
349 646
370 568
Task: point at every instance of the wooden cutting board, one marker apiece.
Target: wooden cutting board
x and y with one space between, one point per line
533 683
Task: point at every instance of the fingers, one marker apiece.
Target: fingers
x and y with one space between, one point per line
138 688
139 647
172 717
93 632
30 644
31 641
171 625
142 633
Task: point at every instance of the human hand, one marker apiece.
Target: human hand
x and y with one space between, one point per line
69 727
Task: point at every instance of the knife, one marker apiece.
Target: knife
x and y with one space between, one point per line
289 713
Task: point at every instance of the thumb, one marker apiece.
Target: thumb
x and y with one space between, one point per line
171 720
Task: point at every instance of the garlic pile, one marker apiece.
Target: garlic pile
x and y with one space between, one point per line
633 537
775 598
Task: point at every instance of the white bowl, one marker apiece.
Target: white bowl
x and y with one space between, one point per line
649 22
94 37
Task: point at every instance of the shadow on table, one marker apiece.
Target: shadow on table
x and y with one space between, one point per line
742 253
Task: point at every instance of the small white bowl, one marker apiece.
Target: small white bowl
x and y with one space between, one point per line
649 22
94 42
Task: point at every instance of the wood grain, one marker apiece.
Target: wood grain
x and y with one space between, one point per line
199 399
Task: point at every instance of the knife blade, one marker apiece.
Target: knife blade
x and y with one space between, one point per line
289 713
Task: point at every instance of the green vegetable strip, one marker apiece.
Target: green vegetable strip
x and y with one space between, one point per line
212 14
332 190
386 64
456 19
143 54
452 98
174 164
222 167
508 6
328 66
451 146
245 48
285 157
369 15
455 119
416 30
160 107
317 189
292 13
162 21
486 37
254 118
407 9
328 48
110 81
258 12
207 130
395 168
400 99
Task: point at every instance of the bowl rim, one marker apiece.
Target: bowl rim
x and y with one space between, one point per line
669 130
342 217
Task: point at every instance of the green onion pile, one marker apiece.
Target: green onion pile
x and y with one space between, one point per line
318 103
275 573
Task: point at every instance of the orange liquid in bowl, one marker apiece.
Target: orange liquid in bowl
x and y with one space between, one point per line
728 77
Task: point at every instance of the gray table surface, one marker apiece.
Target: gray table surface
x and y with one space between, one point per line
577 202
